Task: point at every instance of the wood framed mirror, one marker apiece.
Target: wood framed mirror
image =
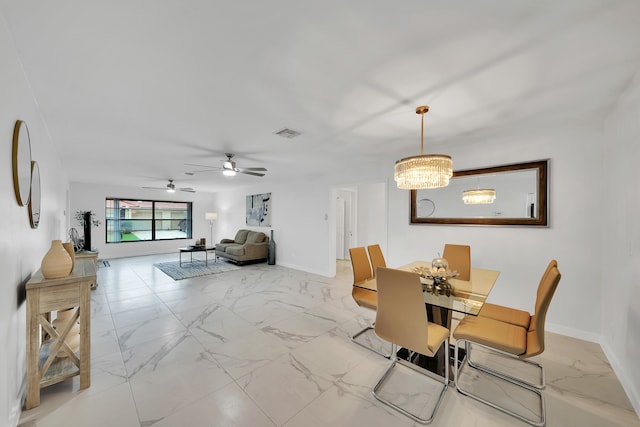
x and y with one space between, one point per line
35 197
21 160
521 197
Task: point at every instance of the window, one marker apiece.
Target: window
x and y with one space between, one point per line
145 220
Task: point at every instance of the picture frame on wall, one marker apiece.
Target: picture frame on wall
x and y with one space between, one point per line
258 211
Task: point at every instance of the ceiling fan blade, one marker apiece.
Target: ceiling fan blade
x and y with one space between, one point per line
255 169
202 166
206 170
187 189
246 172
155 188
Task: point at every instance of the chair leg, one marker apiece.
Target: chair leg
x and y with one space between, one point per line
473 364
382 353
535 390
395 362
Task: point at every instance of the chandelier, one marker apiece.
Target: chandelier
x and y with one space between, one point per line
425 170
479 197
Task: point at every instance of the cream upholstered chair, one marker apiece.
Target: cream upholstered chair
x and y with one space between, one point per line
401 318
509 339
459 258
363 292
376 257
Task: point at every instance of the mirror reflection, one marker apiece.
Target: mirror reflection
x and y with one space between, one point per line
513 194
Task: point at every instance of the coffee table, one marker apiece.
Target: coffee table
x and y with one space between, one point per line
191 249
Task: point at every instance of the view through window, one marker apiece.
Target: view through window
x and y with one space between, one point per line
144 220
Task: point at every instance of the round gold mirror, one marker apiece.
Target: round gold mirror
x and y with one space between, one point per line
21 162
34 199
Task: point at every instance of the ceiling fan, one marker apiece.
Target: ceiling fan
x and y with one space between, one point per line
171 188
229 168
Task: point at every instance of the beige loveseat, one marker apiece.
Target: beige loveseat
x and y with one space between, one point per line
247 247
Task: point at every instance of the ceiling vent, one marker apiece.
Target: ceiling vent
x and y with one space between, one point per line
288 133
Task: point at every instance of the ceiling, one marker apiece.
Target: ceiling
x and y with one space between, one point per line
131 91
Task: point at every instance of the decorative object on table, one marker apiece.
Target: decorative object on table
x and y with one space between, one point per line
188 270
440 264
34 198
259 210
439 277
201 242
56 262
425 170
68 246
74 237
271 257
73 337
21 160
86 219
211 217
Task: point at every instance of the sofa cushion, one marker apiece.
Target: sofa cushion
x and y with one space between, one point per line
241 236
256 237
221 247
235 250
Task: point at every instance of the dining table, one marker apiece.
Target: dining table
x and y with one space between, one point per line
463 296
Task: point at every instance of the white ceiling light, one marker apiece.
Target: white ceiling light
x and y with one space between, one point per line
228 172
425 170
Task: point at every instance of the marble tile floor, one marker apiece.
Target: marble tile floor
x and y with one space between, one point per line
269 346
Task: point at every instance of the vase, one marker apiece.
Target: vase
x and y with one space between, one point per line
87 230
271 258
56 262
72 253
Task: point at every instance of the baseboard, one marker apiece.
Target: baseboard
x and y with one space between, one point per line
305 269
18 404
631 389
574 333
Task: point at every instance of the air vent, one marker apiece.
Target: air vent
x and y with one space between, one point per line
288 133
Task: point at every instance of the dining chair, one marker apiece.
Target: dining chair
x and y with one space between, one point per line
459 258
513 315
363 293
401 318
376 257
511 340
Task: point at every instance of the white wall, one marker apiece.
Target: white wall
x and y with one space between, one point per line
620 229
22 248
521 254
91 197
372 215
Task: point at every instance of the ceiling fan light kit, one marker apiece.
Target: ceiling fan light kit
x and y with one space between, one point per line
425 170
171 188
229 168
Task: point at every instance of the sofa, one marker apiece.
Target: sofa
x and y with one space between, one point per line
246 248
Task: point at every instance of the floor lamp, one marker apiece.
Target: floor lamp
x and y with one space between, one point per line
211 216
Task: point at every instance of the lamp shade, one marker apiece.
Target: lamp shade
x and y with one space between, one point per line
425 170
211 216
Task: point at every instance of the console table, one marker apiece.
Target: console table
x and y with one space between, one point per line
93 255
44 342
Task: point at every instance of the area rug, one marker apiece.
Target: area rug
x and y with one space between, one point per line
194 269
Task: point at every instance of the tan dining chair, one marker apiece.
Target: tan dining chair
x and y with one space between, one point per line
364 294
459 258
376 257
401 318
513 315
511 340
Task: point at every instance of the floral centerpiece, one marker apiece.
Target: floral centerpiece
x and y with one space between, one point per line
439 275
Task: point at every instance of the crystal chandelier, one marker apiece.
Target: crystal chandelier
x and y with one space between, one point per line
425 170
479 197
